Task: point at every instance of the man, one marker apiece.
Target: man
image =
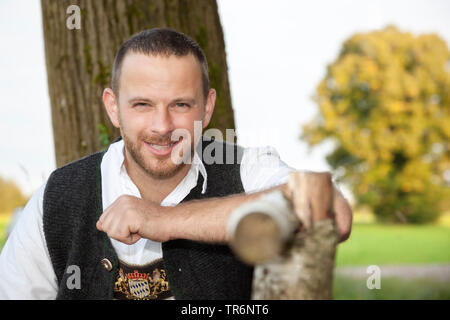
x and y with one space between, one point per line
103 226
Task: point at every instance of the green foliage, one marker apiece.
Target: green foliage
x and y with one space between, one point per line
104 135
385 102
10 196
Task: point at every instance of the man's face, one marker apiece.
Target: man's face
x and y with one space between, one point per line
157 95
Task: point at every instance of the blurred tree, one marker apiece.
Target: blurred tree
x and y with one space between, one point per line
385 103
79 61
11 196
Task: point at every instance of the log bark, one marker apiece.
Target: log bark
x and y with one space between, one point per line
79 62
291 239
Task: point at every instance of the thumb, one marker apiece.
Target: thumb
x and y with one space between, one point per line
99 225
133 238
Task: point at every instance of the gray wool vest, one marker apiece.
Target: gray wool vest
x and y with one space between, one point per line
195 270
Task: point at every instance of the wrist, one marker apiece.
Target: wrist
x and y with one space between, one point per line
157 223
170 222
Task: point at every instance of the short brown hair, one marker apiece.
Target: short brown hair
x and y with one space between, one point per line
160 41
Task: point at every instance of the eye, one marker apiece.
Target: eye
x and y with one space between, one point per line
141 104
182 105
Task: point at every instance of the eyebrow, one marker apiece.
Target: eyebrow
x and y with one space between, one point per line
133 100
184 99
181 99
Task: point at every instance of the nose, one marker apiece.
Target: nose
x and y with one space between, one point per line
161 122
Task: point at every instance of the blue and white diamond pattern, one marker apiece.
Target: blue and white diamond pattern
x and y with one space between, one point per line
139 288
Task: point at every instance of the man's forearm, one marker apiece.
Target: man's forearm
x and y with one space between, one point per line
206 220
129 219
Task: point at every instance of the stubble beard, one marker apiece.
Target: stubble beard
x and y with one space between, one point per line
158 168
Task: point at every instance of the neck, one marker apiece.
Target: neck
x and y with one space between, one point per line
152 188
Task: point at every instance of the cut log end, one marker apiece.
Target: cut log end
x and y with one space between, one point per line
257 238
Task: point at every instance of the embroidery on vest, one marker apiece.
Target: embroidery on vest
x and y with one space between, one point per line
146 282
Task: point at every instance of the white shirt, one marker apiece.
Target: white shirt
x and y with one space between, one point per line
26 271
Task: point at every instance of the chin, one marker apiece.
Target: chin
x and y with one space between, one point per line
162 169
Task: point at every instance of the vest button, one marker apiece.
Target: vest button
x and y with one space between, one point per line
107 264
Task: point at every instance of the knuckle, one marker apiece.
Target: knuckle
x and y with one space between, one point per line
124 198
128 213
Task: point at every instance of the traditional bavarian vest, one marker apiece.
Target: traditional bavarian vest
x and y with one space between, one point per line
194 270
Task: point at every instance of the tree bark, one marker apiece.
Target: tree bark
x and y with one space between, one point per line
291 238
79 62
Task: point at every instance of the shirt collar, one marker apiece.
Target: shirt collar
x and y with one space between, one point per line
197 165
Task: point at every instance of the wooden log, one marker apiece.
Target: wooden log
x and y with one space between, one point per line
291 239
261 229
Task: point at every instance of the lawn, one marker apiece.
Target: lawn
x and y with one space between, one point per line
391 289
374 244
395 244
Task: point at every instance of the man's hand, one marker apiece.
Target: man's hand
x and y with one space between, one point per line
129 219
344 215
307 190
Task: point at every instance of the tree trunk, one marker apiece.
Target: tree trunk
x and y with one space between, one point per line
79 62
290 237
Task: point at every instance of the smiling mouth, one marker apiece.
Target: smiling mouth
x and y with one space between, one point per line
161 149
162 146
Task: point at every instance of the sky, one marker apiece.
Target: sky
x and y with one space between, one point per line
277 53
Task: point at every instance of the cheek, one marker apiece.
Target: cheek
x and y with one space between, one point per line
132 126
190 124
188 120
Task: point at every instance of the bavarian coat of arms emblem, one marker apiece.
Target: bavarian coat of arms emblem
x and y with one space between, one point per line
142 282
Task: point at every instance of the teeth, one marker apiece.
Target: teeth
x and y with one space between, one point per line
158 147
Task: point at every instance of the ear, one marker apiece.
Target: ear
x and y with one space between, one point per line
209 107
111 106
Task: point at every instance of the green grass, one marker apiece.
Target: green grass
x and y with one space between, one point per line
374 244
391 289
395 244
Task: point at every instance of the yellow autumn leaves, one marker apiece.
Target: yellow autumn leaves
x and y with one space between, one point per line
10 196
385 102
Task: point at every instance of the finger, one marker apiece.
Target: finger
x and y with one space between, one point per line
298 186
107 222
133 238
99 225
118 228
344 215
101 220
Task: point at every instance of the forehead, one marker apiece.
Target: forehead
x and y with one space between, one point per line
160 75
